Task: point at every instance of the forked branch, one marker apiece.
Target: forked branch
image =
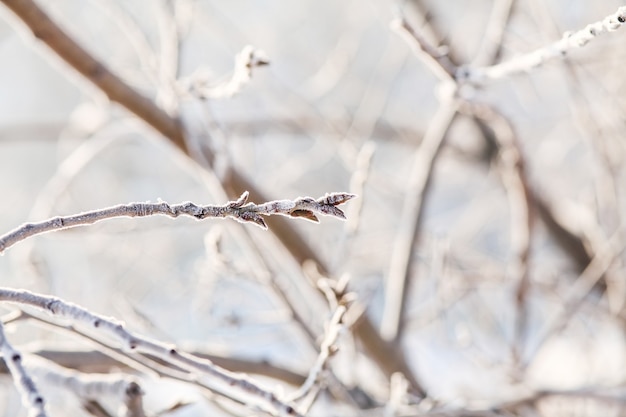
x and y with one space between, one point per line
110 329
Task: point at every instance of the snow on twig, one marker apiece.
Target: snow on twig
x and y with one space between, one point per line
240 210
339 300
243 387
90 386
558 49
31 397
199 84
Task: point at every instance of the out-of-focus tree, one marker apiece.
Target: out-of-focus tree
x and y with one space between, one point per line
479 272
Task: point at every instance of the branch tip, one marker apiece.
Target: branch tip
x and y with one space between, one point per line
243 199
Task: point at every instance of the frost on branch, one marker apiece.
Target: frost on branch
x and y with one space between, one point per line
303 207
105 328
31 397
240 210
199 84
534 59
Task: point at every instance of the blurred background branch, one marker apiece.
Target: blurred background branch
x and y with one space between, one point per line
485 254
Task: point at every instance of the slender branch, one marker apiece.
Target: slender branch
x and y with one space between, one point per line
384 354
410 220
95 71
304 207
339 300
199 84
134 35
31 397
326 350
121 359
91 386
566 236
110 328
418 182
107 357
516 185
601 262
491 47
95 359
437 62
423 164
558 49
513 407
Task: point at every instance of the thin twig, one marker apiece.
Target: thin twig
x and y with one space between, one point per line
111 328
304 207
397 395
134 36
437 62
566 236
586 119
91 386
199 84
95 359
357 186
491 47
133 362
596 269
410 220
558 49
384 354
424 160
516 184
31 397
95 71
417 184
326 350
109 357
169 54
512 407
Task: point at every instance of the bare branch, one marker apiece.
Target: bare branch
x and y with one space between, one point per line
410 219
234 182
95 71
516 184
91 386
339 300
199 84
438 63
491 47
304 207
598 266
31 397
110 328
558 49
326 351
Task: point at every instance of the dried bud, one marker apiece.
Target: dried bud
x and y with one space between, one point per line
256 218
305 214
333 211
243 199
335 199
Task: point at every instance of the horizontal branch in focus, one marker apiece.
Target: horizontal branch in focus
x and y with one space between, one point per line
240 210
